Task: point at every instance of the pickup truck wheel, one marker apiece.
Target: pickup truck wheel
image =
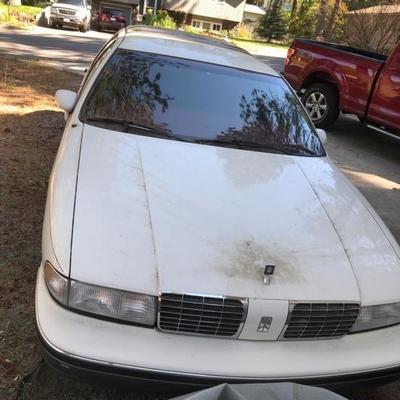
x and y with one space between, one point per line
322 104
84 28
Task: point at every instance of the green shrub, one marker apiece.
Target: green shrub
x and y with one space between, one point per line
242 31
179 17
18 15
303 24
161 20
190 29
3 16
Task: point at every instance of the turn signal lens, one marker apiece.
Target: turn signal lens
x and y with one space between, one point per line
56 283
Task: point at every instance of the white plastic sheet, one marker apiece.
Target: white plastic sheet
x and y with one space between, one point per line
267 391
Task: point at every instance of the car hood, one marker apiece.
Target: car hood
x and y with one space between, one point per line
155 215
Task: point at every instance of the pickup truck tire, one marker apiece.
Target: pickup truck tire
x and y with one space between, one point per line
321 101
84 28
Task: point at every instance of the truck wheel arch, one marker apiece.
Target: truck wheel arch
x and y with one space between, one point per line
319 77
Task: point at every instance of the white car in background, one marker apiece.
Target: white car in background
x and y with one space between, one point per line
196 232
72 13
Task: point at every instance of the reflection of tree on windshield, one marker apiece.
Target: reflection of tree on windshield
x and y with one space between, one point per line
127 90
269 118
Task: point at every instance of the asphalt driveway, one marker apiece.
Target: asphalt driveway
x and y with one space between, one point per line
68 49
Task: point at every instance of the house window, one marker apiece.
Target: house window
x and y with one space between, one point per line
206 26
217 27
196 24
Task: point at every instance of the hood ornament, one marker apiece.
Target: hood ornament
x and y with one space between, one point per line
268 272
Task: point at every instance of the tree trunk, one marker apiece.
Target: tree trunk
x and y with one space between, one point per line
332 20
294 9
15 2
319 29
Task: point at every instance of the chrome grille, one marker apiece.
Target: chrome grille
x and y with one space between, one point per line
66 12
320 320
201 315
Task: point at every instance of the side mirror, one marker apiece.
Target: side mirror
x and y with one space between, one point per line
66 100
322 135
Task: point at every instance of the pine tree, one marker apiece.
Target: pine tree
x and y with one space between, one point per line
273 24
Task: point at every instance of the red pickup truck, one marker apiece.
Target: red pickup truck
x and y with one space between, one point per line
333 78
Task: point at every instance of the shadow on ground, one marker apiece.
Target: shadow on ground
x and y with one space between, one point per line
66 48
372 162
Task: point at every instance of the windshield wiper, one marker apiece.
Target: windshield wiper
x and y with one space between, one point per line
145 130
136 127
240 144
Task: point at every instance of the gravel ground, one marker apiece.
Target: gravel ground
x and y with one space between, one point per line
30 130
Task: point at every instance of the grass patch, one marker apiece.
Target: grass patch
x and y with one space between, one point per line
30 130
19 16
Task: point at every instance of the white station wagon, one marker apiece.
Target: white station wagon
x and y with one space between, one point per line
196 231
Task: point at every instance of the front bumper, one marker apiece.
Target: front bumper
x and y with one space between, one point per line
66 20
90 347
112 26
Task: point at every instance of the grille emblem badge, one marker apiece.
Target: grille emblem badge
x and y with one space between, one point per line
268 272
264 325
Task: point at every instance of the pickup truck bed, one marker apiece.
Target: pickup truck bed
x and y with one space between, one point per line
340 78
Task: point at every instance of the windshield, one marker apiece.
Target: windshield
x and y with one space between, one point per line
71 2
202 102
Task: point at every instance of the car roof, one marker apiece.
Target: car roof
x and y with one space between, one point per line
177 43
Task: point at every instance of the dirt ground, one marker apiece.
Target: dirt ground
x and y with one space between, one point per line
30 131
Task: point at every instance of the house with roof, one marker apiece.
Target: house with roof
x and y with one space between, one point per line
252 14
207 15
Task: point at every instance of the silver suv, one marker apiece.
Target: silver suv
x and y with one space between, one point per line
75 13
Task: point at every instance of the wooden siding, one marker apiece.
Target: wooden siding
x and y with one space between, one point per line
231 10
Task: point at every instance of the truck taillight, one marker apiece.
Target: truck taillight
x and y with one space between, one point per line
290 53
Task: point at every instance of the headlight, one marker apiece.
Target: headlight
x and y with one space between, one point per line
102 301
372 317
